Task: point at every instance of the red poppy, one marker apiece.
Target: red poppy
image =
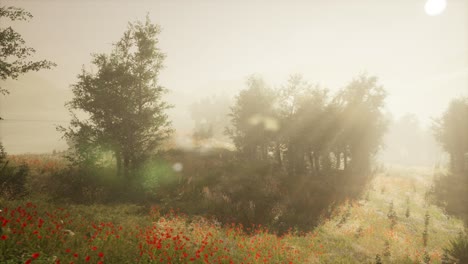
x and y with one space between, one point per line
87 258
35 255
4 237
101 255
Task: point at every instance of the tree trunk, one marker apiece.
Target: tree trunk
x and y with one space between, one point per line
126 170
338 160
316 162
278 155
311 162
118 159
345 160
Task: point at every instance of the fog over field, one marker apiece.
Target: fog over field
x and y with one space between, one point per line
216 131
213 46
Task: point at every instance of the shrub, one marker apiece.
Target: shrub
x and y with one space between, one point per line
458 250
13 181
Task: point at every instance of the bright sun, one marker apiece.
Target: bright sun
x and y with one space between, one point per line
435 7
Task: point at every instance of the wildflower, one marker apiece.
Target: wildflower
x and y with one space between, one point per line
87 258
101 255
35 255
4 237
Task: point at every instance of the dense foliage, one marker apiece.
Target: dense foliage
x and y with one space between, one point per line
302 130
123 102
451 130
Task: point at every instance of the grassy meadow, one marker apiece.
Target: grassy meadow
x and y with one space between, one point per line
393 222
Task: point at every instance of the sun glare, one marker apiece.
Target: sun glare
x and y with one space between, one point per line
435 7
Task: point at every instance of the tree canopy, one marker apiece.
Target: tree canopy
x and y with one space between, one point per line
451 130
304 130
123 102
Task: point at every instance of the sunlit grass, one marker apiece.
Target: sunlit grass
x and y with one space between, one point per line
356 233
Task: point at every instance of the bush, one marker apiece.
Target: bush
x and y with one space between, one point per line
13 181
216 184
450 191
458 250
85 185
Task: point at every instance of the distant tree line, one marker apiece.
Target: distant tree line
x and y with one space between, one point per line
408 143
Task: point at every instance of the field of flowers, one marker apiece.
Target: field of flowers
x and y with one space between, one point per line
392 223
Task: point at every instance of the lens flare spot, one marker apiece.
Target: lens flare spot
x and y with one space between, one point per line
177 167
435 7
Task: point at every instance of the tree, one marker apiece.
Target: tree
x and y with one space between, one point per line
363 121
301 111
253 121
14 53
210 117
451 130
123 101
304 131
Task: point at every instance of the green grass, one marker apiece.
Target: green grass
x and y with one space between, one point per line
356 232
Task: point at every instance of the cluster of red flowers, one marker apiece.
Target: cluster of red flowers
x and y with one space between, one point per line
30 235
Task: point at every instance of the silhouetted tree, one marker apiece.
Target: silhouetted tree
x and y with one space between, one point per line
451 130
123 100
303 131
364 123
253 120
302 117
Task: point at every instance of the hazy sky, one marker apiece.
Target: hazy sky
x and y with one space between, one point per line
212 46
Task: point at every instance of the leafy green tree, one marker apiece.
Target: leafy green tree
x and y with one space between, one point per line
123 102
14 53
451 130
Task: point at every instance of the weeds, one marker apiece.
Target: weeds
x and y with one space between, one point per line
426 226
392 216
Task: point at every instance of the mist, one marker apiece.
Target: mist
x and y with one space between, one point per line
212 48
234 131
